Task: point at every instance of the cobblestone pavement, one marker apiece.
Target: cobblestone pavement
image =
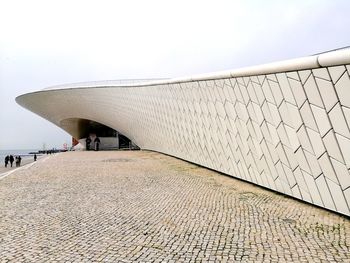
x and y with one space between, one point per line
147 207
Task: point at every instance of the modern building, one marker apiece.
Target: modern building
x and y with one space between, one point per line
283 126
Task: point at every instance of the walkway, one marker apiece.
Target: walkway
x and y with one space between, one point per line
146 207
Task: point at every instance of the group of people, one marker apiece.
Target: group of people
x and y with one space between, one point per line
97 142
10 159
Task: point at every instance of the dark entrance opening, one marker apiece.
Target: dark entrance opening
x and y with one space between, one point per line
110 138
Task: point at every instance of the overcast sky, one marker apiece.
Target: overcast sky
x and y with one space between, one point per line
46 43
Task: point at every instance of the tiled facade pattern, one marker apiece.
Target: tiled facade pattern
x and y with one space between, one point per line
286 131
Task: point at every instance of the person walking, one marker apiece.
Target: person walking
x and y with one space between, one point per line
7 159
11 159
88 141
97 143
35 157
19 160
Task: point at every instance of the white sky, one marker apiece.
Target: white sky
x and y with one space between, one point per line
49 42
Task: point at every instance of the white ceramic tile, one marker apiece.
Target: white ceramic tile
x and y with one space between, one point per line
344 144
327 168
298 91
283 135
304 139
242 112
265 132
267 92
302 185
313 190
294 113
328 94
285 88
325 193
291 157
229 94
321 118
316 142
336 72
238 94
267 114
343 90
346 112
230 110
338 197
313 163
289 175
274 114
303 164
279 186
296 192
273 133
293 75
276 91
312 92
304 75
347 196
321 73
281 154
285 115
220 109
259 93
332 146
251 93
308 117
342 173
271 77
338 121
259 113
251 112
282 176
292 137
273 152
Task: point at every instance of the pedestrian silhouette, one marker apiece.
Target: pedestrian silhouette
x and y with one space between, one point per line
88 141
97 143
7 159
11 159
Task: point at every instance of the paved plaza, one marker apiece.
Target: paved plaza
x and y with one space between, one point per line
140 206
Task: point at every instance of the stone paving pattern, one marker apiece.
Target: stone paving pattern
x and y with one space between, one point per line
140 206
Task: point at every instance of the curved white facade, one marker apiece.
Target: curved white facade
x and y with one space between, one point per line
284 126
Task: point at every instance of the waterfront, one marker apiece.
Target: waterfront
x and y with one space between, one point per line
140 206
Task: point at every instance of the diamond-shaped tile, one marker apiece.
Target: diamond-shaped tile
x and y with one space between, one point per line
312 92
328 94
344 144
343 90
298 91
321 118
285 88
336 72
308 117
338 121
321 73
332 146
342 174
313 190
338 196
316 142
325 193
